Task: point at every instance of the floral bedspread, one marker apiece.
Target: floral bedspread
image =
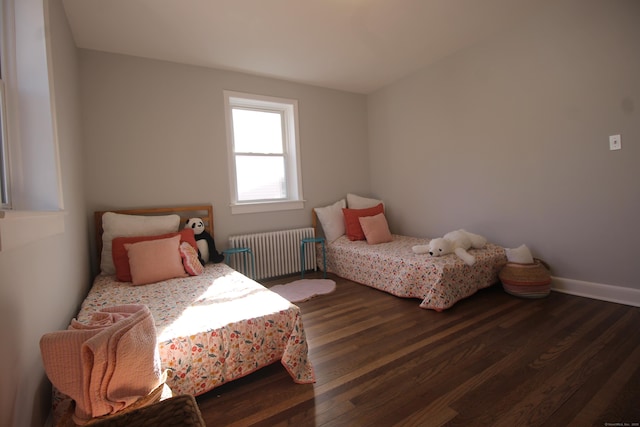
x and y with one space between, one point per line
213 328
439 282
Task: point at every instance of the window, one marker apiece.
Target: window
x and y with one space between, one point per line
28 146
32 173
264 159
4 154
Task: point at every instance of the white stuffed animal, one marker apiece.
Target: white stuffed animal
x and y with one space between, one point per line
457 242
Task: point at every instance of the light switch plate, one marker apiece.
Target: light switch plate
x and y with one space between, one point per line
614 142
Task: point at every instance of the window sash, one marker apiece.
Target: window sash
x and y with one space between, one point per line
241 134
262 187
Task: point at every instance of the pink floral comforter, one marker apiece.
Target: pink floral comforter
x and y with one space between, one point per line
392 267
213 328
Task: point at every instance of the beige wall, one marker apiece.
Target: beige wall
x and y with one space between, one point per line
510 139
155 135
43 283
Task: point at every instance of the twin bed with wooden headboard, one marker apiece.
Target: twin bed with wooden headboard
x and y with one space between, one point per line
212 328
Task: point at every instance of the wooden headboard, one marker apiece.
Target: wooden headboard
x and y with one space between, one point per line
204 212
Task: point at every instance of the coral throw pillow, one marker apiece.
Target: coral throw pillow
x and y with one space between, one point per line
155 260
121 259
352 220
376 229
190 259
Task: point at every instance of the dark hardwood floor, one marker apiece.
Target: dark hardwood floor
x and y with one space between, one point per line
491 360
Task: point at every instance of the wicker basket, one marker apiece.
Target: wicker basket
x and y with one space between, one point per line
176 411
526 280
151 411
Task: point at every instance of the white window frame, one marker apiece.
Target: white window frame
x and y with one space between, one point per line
40 213
288 108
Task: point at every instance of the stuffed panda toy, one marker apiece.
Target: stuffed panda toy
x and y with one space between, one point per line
206 245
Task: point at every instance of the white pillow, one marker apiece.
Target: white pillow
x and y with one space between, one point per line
520 255
332 220
359 202
120 225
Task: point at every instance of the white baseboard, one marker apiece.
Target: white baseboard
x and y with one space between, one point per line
617 294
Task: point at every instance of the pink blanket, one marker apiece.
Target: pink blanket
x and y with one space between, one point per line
106 365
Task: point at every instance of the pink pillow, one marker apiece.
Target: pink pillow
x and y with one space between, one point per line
190 259
352 220
376 229
121 259
155 260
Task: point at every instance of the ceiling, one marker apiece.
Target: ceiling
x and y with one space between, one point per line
352 45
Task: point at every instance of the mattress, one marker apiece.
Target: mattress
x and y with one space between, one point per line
438 282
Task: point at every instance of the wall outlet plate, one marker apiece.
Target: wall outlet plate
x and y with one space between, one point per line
615 142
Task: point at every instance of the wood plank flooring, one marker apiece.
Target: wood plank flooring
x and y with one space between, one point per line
491 360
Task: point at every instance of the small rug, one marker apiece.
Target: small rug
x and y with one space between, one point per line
304 289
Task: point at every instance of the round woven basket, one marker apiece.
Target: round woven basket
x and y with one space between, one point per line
526 280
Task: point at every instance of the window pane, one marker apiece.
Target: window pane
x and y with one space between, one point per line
257 131
260 178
